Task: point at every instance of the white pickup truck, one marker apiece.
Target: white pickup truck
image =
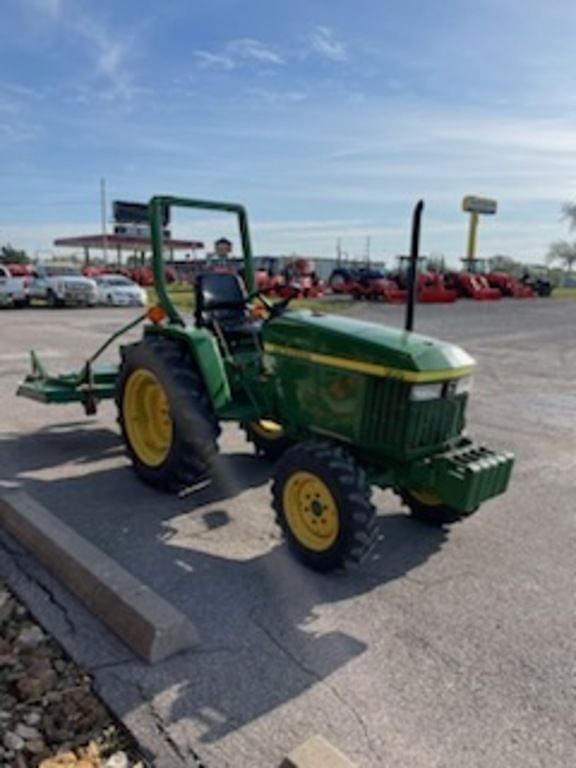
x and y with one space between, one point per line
59 284
13 290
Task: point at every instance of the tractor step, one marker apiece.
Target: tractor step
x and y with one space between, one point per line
464 476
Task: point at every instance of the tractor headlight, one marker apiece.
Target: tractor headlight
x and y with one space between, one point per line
422 392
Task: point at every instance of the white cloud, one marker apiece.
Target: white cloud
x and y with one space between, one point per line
207 60
324 43
108 50
248 48
243 51
265 97
16 133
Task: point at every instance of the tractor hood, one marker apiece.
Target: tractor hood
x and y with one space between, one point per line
364 347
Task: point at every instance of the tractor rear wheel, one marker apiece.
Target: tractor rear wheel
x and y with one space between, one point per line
322 502
268 436
429 507
167 421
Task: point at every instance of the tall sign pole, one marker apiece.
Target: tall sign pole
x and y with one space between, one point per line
476 206
472 234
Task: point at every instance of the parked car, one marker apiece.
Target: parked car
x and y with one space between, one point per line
13 288
119 291
60 284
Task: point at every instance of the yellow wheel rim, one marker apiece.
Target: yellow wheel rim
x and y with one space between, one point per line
147 418
268 429
311 511
430 498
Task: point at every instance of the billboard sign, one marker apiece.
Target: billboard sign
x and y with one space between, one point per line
473 204
135 213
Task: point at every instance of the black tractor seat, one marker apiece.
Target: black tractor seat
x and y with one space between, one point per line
222 306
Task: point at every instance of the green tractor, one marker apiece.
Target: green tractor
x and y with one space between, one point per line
339 404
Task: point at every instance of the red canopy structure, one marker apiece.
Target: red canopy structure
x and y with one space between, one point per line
123 242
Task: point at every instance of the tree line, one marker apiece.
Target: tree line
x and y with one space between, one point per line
563 252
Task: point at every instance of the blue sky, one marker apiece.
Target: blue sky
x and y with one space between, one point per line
327 119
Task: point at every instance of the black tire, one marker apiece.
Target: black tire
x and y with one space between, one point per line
195 429
432 514
53 300
22 303
272 447
338 278
356 530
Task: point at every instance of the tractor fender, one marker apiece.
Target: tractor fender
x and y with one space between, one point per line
204 351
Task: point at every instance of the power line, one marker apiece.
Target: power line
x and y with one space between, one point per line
44 204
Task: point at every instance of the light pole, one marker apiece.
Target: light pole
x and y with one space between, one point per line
103 218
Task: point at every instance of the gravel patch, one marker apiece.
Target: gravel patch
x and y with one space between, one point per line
49 714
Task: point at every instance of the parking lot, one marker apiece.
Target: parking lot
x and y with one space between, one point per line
450 647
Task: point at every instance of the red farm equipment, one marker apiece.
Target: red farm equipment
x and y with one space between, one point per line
266 276
299 278
296 278
471 283
507 284
430 283
366 283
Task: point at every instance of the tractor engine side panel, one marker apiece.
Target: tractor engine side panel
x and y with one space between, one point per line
313 398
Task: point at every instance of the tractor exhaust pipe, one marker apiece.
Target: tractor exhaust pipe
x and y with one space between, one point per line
413 265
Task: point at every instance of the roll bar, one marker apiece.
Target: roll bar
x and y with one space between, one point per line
157 205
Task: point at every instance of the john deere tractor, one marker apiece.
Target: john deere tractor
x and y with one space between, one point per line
341 405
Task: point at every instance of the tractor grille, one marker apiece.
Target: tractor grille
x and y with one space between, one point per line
392 421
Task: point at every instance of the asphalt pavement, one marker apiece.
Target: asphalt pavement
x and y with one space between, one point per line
450 647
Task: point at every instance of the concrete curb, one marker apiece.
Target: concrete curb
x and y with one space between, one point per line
148 624
316 752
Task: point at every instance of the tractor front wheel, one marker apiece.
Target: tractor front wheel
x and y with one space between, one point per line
268 437
322 502
428 507
165 415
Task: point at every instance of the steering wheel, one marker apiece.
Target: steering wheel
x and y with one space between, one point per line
275 308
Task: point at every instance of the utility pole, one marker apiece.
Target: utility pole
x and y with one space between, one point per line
103 218
368 243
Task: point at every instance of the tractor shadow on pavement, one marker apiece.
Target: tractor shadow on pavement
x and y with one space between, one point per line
53 446
270 629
